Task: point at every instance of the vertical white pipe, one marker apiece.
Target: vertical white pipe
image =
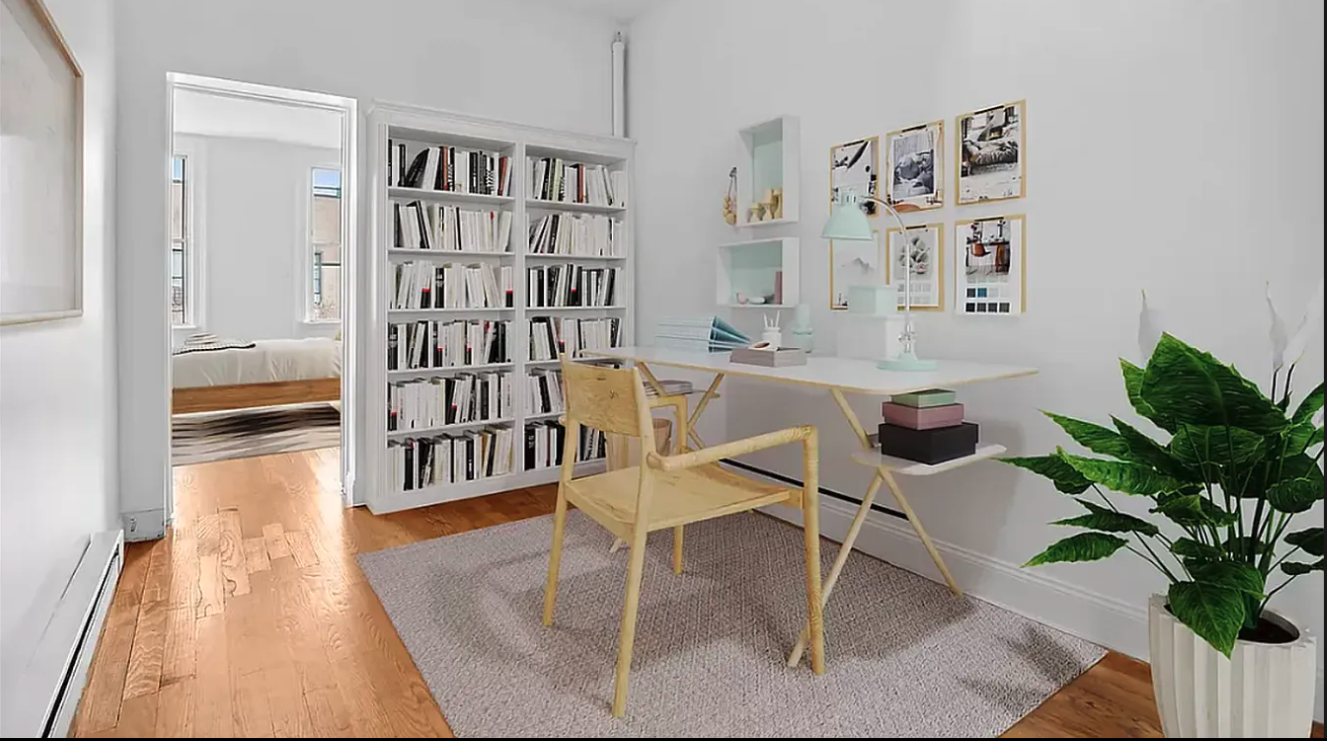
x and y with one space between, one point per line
619 86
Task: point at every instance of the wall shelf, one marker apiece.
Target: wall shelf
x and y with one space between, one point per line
759 267
770 158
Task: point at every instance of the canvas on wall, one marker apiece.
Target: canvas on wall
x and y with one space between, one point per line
990 274
914 167
853 263
991 153
41 189
855 166
923 247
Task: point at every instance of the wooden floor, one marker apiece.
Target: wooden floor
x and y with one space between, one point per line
253 619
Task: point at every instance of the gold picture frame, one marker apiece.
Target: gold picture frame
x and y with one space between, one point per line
962 282
938 250
921 202
977 187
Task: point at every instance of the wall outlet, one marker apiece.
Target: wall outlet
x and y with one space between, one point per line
144 525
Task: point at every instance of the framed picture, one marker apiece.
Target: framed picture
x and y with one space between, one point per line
855 166
991 154
990 274
924 248
914 167
853 264
41 185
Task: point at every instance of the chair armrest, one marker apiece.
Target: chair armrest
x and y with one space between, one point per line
727 450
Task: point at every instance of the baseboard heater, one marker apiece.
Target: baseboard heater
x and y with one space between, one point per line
789 480
42 702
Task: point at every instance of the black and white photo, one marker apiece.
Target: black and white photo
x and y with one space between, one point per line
991 154
855 166
914 167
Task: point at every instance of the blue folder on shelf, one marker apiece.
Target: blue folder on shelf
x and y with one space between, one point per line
706 334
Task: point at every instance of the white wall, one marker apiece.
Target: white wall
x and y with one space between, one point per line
522 61
58 475
253 199
1171 146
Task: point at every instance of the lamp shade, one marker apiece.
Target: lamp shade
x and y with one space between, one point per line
847 221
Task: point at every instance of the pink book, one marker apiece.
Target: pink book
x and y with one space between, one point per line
926 418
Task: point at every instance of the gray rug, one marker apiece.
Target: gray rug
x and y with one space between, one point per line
904 657
246 433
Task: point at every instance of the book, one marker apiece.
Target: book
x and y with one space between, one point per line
705 333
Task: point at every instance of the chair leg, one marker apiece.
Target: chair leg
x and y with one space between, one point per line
555 558
677 549
635 570
811 532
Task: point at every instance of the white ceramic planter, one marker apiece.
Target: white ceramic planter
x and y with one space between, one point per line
1261 691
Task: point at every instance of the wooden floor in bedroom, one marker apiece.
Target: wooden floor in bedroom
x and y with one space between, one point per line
252 619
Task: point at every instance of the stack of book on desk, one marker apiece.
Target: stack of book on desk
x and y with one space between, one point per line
927 427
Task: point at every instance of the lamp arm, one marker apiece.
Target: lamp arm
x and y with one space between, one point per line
909 332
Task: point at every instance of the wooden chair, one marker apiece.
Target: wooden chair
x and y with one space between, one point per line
668 492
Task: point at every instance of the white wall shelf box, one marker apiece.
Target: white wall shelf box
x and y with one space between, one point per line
752 268
420 127
770 158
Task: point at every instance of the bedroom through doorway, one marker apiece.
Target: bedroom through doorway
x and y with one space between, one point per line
260 250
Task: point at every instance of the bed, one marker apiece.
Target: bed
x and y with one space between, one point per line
271 372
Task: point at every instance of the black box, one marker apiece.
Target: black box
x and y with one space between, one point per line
929 446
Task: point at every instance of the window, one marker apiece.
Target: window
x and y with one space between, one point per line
181 247
325 246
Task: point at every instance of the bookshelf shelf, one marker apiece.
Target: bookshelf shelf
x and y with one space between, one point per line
543 416
589 208
402 134
447 196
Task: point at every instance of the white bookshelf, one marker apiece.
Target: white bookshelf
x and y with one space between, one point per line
418 127
752 268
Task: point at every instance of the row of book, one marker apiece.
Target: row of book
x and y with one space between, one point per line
433 226
449 169
554 336
450 400
544 442
436 344
581 235
543 392
555 179
417 463
572 285
428 285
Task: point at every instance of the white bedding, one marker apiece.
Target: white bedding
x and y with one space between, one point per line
270 361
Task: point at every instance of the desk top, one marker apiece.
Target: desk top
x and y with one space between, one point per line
846 374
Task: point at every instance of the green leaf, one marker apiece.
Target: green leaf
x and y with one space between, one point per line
1315 439
1192 387
1295 495
1281 469
1310 541
1143 449
1309 406
1095 438
1126 478
1133 386
1215 613
1063 475
1196 445
1108 520
1238 576
1194 510
1189 548
1080 547
1295 568
1242 544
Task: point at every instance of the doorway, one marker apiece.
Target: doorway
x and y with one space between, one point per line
262 233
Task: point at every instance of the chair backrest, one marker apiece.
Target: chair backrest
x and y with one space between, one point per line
608 399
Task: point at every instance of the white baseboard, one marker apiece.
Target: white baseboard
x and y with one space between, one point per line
1105 621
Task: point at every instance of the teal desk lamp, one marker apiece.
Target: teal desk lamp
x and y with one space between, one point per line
848 222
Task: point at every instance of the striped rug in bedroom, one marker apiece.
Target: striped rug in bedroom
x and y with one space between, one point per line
245 433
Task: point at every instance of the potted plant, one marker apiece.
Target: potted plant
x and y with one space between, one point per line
1223 490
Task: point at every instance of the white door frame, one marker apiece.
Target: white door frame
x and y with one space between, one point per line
349 110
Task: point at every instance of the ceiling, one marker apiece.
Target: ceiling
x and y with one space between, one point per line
205 114
621 10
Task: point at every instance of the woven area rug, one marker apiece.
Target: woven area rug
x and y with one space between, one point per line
904 657
245 433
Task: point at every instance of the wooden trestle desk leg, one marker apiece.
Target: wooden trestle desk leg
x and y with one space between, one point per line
882 474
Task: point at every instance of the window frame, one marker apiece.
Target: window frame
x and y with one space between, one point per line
306 258
195 261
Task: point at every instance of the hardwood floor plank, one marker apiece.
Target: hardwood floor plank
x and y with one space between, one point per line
233 568
156 584
211 586
212 713
178 657
99 708
175 710
184 587
138 717
275 537
145 658
137 558
301 550
255 555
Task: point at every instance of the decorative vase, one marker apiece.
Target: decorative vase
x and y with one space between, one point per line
1264 690
802 333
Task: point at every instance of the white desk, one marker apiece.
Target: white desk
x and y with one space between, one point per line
838 375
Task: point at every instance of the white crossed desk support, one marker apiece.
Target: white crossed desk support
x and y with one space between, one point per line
838 375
